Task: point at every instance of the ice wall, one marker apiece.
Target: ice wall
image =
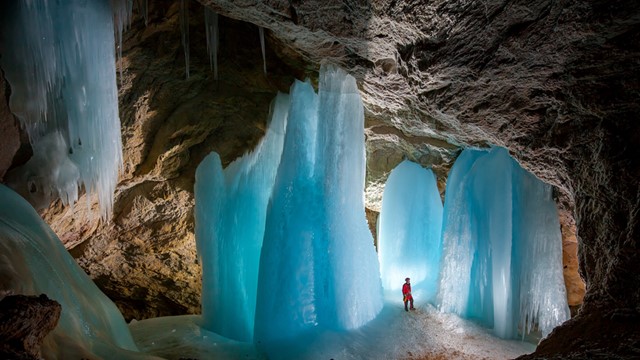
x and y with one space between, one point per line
34 261
230 213
502 247
318 268
409 230
61 68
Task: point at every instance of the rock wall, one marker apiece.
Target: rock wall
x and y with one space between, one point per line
9 130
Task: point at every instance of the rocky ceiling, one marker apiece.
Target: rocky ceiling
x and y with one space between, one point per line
555 82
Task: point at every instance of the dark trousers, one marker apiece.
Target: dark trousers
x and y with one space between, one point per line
408 300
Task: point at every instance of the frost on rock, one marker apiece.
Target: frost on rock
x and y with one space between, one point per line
409 231
502 247
63 79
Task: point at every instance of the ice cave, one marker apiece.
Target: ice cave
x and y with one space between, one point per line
209 179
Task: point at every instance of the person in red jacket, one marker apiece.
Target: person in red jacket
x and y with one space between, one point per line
406 294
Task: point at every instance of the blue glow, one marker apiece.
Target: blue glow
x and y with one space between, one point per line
409 230
502 256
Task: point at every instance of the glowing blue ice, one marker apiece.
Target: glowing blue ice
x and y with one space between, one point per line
409 230
231 207
502 256
62 73
33 261
318 268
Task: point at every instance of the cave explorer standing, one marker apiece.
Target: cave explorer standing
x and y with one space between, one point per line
406 294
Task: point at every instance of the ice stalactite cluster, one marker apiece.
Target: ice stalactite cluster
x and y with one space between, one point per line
61 68
317 268
502 247
409 230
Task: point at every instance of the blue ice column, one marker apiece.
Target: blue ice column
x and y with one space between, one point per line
62 72
33 261
410 225
502 248
318 268
230 215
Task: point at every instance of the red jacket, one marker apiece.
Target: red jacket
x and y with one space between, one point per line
406 289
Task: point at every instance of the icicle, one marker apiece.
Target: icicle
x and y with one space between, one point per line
122 14
62 74
211 25
264 58
184 25
143 8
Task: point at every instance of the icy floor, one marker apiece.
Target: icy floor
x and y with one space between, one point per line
395 334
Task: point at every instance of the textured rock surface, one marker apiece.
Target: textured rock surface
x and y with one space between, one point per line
24 322
9 130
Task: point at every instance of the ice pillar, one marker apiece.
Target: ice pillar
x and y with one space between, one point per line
230 220
318 268
409 231
502 254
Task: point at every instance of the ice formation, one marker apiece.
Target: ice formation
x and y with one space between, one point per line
184 27
231 207
34 261
318 268
264 58
502 255
409 230
211 31
61 68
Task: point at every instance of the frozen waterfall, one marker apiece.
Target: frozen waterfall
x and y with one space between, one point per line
502 247
409 229
62 72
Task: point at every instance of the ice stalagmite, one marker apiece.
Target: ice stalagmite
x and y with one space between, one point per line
502 248
318 268
230 214
62 73
409 230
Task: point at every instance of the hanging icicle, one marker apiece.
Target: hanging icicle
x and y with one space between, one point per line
264 58
143 9
122 15
211 29
184 25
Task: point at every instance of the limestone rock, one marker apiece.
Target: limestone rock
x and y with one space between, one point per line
24 322
9 130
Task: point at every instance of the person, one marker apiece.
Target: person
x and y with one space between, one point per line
406 294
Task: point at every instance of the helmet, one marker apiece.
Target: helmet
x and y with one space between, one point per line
407 279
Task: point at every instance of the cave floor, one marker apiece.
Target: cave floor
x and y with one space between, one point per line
394 334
